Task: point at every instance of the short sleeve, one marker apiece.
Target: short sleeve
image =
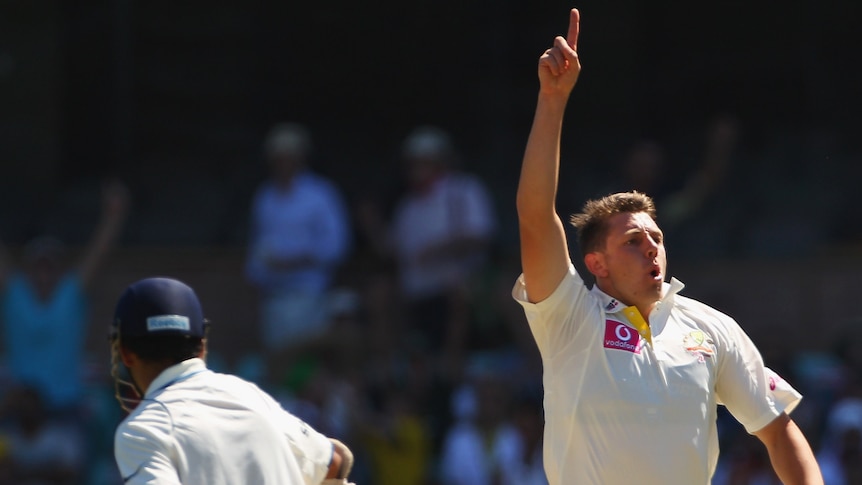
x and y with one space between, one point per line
143 456
559 320
312 449
754 394
785 396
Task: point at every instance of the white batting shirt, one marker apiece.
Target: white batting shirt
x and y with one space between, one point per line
196 426
624 405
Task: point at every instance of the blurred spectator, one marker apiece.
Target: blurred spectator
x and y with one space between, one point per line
482 447
704 189
316 394
299 236
529 420
840 453
644 168
45 308
707 184
440 235
394 435
824 379
43 450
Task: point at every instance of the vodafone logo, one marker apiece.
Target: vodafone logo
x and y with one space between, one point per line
619 336
623 333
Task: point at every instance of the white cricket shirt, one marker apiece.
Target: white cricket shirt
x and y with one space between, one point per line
623 406
196 426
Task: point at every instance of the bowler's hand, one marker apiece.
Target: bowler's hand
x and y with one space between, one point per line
559 66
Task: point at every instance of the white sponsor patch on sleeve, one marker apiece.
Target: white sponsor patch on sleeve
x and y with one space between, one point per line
168 322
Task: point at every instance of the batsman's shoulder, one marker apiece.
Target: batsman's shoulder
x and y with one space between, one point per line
150 419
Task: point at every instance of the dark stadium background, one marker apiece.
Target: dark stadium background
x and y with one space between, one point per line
187 89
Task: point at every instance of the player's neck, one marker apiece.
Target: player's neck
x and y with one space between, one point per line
645 307
145 373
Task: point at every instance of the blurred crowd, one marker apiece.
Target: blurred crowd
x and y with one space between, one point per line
385 319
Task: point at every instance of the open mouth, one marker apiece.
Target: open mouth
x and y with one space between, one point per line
655 273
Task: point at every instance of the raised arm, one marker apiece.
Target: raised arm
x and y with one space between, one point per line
544 250
114 206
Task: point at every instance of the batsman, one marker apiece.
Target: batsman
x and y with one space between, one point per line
188 425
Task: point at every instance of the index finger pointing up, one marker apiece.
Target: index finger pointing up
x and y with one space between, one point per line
574 27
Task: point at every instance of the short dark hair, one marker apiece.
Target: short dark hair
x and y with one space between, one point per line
591 222
170 349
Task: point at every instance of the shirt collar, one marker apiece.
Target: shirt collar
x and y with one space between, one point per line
174 373
612 305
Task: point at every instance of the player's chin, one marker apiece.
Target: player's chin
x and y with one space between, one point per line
656 287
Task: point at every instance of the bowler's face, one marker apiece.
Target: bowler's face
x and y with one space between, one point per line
634 260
